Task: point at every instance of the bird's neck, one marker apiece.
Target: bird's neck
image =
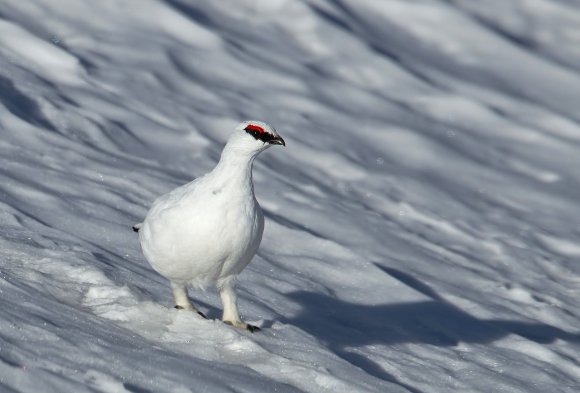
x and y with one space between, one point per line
235 168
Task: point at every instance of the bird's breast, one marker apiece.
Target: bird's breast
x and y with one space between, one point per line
212 236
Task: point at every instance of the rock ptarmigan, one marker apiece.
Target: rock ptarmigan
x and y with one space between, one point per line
207 231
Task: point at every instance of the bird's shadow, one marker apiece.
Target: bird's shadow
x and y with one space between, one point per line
343 325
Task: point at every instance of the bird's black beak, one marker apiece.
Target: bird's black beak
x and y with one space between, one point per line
277 140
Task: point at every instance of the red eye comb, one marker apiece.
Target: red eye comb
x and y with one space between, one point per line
253 127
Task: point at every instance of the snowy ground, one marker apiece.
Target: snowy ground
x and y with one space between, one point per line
422 224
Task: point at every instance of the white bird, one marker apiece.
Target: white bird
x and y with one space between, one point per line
207 231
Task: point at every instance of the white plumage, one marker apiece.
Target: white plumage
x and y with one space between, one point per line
207 231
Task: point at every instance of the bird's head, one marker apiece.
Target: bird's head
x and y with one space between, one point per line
254 136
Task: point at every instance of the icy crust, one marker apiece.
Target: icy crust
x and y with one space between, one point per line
420 226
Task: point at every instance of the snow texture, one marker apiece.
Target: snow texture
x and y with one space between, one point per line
421 225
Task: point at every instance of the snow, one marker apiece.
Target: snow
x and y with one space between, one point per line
421 224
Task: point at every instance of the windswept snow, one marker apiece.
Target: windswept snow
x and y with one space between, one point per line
422 224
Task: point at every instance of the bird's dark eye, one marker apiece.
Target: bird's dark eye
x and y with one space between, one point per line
259 133
255 131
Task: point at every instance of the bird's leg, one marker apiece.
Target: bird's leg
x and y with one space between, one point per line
181 300
231 315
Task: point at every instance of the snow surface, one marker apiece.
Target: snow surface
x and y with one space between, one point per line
422 224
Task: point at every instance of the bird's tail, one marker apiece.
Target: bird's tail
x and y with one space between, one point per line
136 227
